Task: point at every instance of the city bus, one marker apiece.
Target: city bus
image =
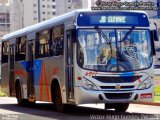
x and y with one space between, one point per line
81 57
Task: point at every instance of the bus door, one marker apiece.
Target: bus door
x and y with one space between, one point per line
11 71
30 84
69 67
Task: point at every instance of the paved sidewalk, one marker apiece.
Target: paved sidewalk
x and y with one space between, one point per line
149 103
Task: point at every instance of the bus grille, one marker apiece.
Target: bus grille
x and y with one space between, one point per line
117 79
113 87
118 95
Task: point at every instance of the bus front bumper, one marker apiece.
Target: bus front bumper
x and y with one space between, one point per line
84 96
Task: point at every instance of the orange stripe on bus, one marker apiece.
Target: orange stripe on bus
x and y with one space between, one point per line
47 86
44 77
41 78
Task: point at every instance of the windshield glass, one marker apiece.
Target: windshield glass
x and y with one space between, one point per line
114 49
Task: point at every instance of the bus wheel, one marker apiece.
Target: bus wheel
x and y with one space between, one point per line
58 100
121 107
21 102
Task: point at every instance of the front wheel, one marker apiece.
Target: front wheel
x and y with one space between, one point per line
121 107
58 100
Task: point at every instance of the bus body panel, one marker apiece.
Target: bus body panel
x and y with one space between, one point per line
145 95
43 75
49 69
5 79
93 96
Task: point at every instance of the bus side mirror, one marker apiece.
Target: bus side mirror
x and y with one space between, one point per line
74 35
152 41
154 34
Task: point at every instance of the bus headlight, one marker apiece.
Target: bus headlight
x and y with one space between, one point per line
88 85
146 84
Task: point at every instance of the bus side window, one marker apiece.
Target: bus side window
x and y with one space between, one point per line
20 49
43 44
5 51
57 40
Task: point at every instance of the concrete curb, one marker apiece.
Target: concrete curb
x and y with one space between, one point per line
148 103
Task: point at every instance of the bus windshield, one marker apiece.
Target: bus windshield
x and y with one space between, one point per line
114 49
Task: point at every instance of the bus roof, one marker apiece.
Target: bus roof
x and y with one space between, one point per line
50 22
39 26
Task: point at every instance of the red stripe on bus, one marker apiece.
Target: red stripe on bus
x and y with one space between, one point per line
20 72
55 70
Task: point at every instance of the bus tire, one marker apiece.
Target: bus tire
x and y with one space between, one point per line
58 100
121 107
21 102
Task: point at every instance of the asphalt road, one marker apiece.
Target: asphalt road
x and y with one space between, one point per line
45 111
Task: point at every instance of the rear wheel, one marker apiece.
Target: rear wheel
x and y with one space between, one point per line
21 102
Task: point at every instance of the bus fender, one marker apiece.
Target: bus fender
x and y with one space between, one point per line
54 82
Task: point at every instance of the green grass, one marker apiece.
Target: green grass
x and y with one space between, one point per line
157 94
156 98
157 90
1 93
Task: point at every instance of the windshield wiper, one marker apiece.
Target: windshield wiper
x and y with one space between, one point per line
100 32
127 34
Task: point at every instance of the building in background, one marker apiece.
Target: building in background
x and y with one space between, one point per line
28 12
4 1
4 18
4 21
16 14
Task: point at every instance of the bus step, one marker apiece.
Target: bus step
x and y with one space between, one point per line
13 94
31 100
71 100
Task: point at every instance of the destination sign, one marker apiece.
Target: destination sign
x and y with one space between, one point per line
112 19
98 19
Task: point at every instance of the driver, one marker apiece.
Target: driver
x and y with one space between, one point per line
130 53
127 42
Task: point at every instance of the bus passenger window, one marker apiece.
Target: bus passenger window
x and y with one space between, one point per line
5 51
20 49
43 48
57 41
